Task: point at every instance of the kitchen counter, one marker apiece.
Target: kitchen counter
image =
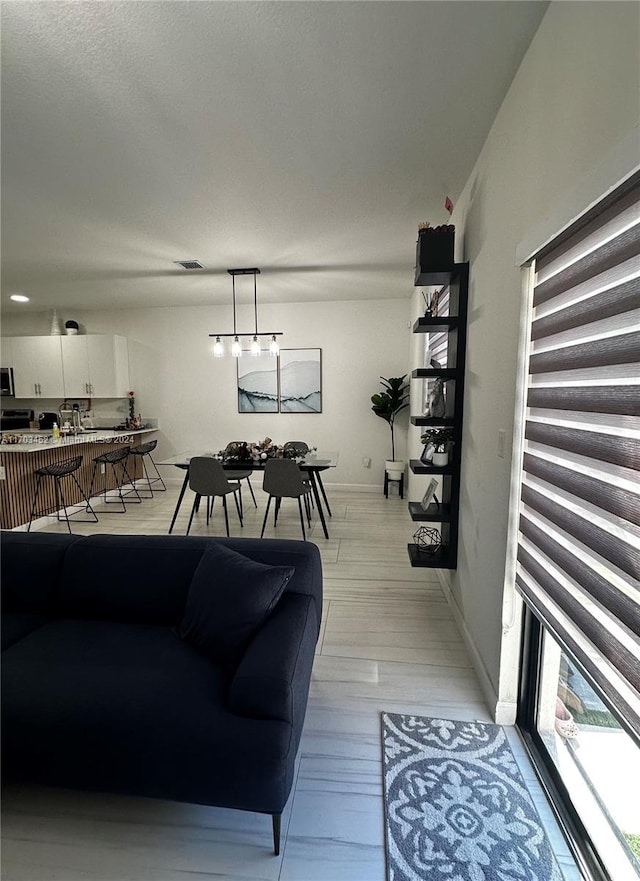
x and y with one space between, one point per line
39 441
35 449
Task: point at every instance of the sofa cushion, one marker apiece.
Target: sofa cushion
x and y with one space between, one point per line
143 579
16 625
229 599
132 708
31 565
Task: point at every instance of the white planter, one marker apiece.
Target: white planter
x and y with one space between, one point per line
440 459
395 469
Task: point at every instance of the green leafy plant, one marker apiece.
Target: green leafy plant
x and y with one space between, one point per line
392 400
439 437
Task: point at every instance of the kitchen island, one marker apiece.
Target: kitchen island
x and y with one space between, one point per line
33 450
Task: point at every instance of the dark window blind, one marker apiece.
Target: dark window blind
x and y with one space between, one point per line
578 564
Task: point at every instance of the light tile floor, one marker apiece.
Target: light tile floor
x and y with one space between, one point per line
388 642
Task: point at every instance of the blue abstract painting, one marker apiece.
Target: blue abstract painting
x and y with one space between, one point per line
258 383
300 380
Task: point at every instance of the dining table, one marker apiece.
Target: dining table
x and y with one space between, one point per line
312 463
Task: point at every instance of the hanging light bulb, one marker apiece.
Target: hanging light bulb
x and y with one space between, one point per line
218 348
274 348
236 348
255 347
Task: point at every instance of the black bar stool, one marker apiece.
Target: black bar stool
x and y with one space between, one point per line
60 470
113 458
144 450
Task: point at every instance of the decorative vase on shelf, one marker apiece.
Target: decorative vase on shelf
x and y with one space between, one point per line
71 328
56 330
440 459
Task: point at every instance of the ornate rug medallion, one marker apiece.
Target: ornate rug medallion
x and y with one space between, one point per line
456 805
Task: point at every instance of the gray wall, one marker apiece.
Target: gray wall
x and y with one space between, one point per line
570 117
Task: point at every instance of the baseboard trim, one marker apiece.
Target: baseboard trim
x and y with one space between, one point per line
502 712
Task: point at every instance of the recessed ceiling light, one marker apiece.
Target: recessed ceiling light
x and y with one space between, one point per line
19 298
189 264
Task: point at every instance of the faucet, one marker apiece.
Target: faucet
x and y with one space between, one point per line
71 414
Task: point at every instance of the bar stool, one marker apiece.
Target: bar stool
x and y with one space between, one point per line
113 458
58 471
144 450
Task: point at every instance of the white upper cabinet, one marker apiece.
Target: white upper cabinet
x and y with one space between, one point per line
95 366
37 367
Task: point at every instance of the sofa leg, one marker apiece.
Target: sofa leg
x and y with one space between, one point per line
276 820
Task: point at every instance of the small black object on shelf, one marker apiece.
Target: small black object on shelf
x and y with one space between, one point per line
434 248
428 540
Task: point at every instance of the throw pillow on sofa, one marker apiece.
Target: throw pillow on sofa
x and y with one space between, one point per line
229 599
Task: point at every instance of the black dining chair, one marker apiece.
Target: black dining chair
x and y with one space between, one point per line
299 448
207 479
234 447
283 480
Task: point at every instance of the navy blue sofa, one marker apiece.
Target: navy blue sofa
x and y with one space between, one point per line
107 686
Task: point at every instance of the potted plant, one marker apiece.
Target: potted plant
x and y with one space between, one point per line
437 442
387 404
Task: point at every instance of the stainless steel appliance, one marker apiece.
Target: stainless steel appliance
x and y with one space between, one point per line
10 420
6 382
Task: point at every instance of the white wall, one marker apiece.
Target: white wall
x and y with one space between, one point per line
176 378
573 103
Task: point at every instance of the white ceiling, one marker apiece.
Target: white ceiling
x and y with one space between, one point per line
305 138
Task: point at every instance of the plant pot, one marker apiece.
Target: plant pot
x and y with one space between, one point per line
440 459
395 469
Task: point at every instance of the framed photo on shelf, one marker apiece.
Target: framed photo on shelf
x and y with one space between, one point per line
430 495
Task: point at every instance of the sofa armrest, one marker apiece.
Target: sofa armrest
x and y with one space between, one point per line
272 679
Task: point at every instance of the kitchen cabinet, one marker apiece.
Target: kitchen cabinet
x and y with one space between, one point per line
95 366
37 367
447 334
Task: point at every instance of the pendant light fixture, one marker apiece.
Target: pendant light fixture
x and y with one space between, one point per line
236 345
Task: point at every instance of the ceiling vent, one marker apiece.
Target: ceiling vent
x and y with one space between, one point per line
189 264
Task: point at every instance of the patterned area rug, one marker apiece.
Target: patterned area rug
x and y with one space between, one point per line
456 805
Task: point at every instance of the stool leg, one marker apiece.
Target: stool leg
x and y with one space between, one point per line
145 476
386 485
35 501
88 507
159 476
61 498
93 477
133 490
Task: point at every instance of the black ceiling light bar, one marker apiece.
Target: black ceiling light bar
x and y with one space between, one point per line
236 345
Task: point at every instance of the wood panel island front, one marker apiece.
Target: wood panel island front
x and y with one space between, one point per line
19 462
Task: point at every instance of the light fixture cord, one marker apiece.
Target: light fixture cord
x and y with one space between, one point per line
233 282
255 300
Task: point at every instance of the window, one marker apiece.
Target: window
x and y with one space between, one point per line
578 566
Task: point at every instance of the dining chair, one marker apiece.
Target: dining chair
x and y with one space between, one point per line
299 448
232 447
283 480
207 478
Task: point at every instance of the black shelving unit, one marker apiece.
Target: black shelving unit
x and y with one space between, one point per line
456 279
